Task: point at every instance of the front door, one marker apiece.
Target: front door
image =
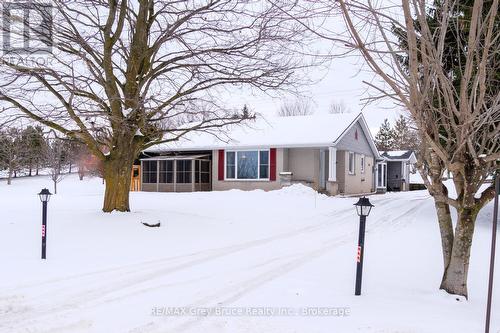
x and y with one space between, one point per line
394 175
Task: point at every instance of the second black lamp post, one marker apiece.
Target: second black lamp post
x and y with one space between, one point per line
363 208
44 198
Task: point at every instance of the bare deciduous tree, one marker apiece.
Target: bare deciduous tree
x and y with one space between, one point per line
127 75
57 158
297 107
338 108
458 120
440 61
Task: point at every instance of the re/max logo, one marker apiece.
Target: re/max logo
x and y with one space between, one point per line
27 27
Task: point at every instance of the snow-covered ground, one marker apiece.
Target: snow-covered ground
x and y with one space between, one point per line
245 254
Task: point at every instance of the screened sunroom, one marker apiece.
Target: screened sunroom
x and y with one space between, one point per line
176 173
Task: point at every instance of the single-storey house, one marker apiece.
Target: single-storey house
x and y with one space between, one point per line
394 170
332 153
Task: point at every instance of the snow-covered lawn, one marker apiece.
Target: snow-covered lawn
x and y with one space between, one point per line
247 253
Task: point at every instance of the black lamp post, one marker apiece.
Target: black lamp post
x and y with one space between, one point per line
492 256
44 198
363 208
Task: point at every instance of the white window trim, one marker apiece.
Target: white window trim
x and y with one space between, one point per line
353 172
236 179
332 164
362 163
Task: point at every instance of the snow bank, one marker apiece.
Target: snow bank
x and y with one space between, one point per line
300 190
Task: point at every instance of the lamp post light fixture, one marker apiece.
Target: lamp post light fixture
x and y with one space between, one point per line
363 208
44 196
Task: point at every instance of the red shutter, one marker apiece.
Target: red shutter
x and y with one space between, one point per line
272 164
221 164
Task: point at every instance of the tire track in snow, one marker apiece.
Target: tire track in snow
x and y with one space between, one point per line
233 293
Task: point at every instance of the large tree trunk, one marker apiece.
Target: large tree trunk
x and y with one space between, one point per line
455 275
117 171
9 177
446 230
438 191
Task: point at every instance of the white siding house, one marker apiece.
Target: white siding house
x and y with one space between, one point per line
331 153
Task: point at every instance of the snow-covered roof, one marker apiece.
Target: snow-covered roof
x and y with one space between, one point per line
281 132
398 155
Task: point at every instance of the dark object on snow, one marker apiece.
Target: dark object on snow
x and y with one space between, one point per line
157 225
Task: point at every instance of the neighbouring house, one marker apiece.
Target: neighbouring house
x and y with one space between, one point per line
332 153
394 170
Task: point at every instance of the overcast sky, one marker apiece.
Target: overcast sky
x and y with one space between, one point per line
341 82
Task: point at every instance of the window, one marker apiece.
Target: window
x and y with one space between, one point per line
351 163
362 167
230 165
264 164
183 171
247 164
202 172
381 175
149 172
166 172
